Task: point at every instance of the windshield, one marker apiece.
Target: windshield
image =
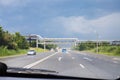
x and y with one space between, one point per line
71 37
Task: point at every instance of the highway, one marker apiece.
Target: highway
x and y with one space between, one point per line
72 63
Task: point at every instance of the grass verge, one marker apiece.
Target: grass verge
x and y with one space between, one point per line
39 50
6 52
107 50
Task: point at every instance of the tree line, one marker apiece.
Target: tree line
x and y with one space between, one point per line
12 41
88 45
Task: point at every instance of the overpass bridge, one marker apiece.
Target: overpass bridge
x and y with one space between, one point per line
63 41
57 41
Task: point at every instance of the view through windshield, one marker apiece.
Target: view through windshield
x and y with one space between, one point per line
71 37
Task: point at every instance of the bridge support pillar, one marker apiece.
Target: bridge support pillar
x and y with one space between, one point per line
36 43
44 46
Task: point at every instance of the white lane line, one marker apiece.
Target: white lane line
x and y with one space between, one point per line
35 63
116 59
84 54
73 57
115 62
67 53
82 66
81 53
87 59
59 59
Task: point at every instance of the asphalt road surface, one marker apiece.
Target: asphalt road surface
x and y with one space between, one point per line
72 63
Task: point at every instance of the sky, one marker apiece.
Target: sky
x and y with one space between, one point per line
83 19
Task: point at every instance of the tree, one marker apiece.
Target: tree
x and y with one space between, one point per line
1 36
50 46
12 41
86 45
21 41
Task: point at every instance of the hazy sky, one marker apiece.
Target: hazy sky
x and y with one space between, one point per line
62 18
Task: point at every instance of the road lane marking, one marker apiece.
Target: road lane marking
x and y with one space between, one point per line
73 57
115 62
82 66
81 53
84 54
69 54
87 59
35 63
59 59
116 59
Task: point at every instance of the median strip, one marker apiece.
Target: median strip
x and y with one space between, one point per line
35 63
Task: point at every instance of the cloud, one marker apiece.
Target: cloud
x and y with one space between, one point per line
10 3
0 20
107 21
21 2
75 24
107 26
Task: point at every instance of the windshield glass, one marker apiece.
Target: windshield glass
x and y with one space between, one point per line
72 37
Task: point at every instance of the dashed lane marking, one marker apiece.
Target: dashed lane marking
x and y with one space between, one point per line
82 66
116 59
73 57
59 59
87 58
115 62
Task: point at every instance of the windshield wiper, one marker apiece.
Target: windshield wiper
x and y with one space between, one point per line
32 71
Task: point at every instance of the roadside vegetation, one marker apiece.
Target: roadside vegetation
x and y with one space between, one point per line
12 41
103 48
16 44
9 52
12 44
108 50
39 50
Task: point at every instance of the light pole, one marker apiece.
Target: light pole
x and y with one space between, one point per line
37 43
97 35
97 42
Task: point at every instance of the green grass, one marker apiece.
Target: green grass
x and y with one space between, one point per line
6 52
39 50
107 50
